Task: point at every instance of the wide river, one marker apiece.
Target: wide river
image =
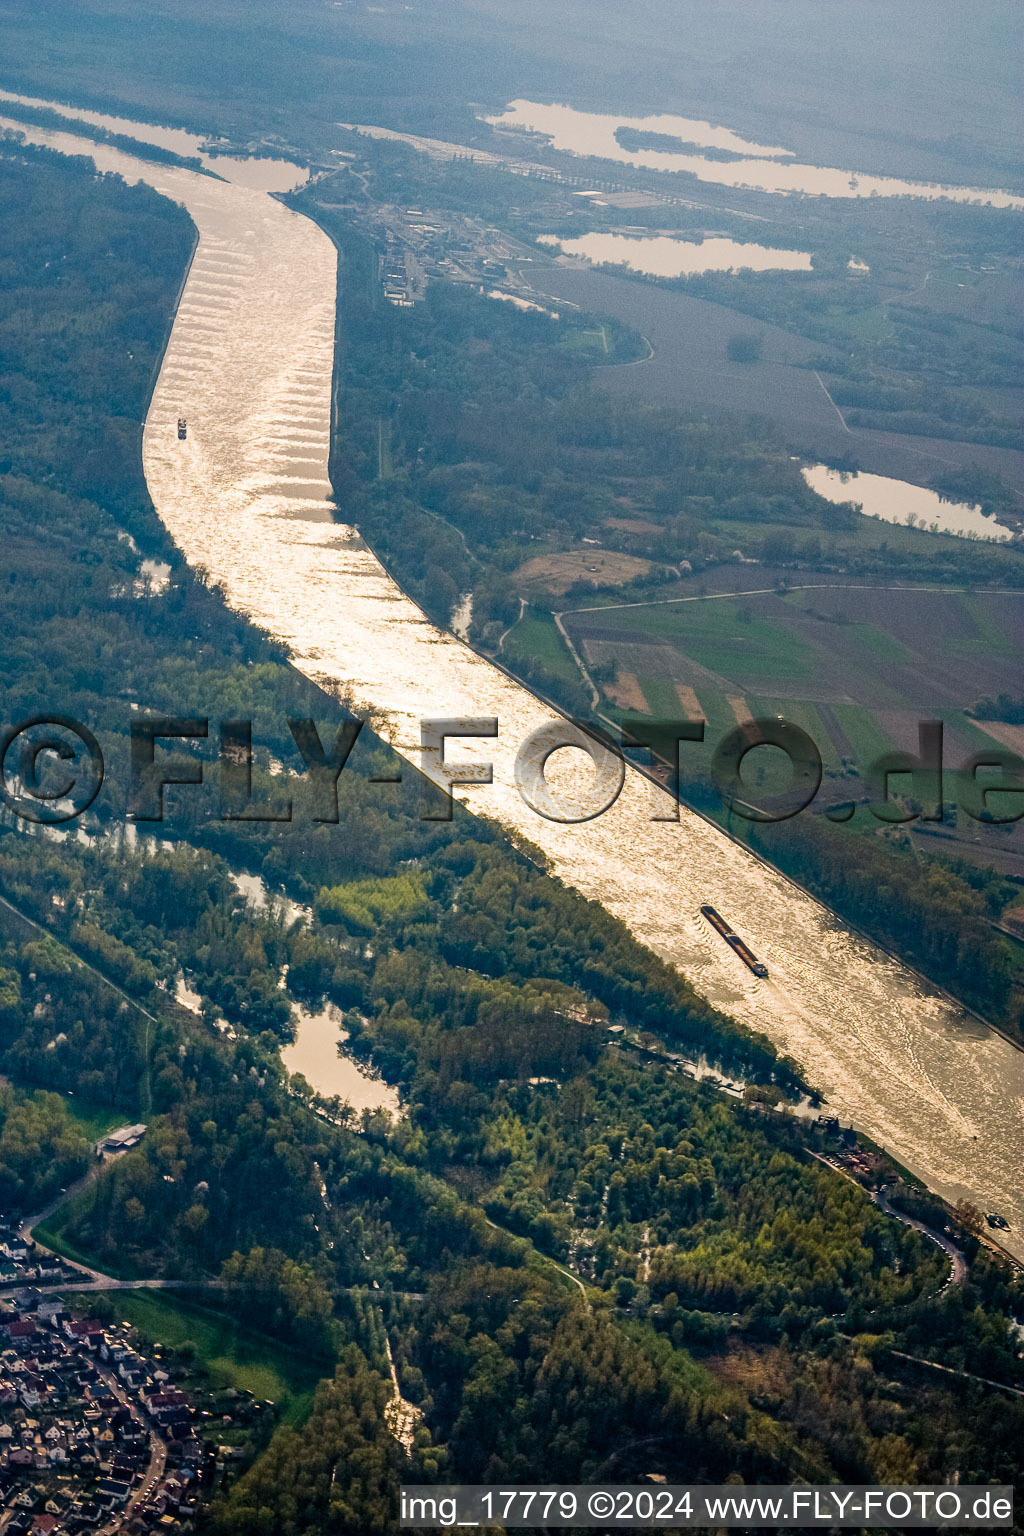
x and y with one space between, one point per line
250 363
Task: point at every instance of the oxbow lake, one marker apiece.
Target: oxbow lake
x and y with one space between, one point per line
666 256
897 501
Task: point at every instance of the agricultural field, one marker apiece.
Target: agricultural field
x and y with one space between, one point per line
984 298
556 573
856 667
689 368
689 336
536 638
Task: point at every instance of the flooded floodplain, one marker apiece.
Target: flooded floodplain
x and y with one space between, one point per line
314 1054
262 173
599 135
247 495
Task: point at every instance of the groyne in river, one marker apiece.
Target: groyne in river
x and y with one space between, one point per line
246 495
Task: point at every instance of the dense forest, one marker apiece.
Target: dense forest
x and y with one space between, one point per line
556 1241
42 1148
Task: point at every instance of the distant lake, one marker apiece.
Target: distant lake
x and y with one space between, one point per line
665 256
766 168
897 501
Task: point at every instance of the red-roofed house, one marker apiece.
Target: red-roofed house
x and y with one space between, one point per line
84 1330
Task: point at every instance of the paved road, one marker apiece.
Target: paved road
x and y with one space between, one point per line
108 1283
94 1279
157 1455
958 1263
545 1256
949 1370
28 1226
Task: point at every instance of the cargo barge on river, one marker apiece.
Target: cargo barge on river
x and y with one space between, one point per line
734 942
